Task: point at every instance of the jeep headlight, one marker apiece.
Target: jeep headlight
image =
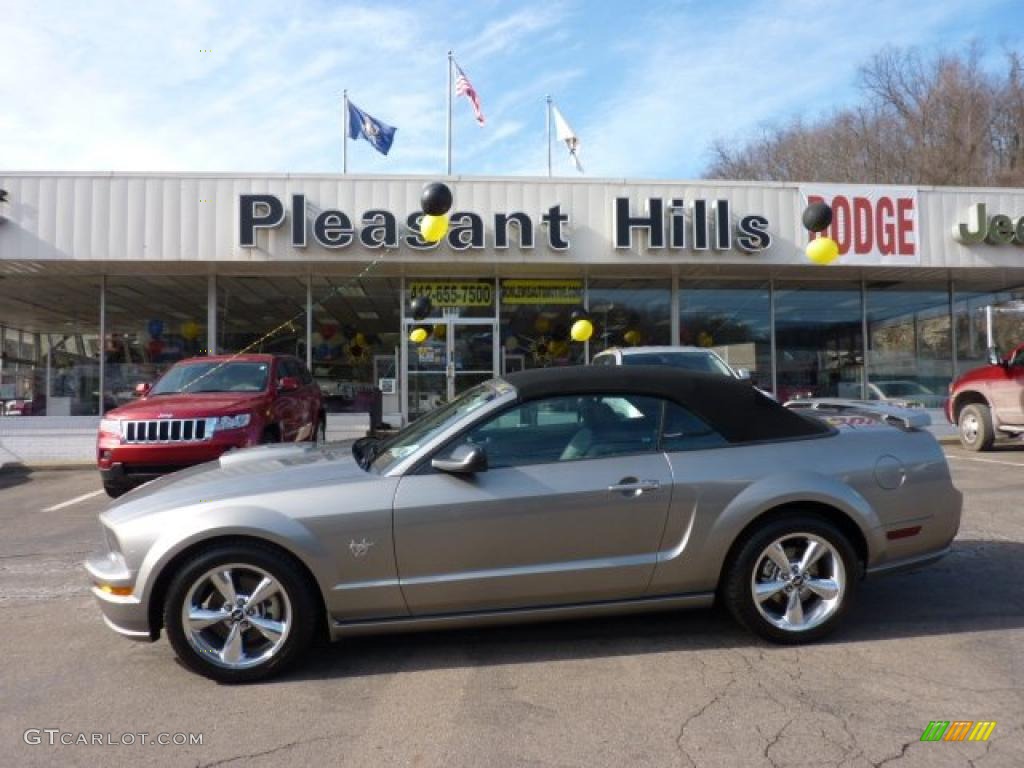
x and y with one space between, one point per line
110 426
233 422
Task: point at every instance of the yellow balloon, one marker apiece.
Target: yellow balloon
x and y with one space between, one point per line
541 324
822 250
632 337
582 330
360 339
440 330
418 335
190 329
433 228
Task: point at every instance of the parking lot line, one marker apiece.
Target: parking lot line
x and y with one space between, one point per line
986 461
75 500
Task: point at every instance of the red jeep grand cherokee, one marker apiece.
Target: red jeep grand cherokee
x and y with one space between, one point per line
201 408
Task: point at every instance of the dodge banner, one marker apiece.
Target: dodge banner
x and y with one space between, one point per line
871 225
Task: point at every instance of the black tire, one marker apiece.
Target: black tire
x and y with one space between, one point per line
974 426
737 591
293 582
114 490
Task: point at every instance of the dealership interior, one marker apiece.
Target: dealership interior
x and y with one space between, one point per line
77 344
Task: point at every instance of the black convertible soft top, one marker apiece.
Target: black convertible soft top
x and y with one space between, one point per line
734 408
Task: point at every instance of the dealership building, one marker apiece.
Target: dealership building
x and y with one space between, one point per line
106 279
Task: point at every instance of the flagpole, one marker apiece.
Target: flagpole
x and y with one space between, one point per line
450 61
344 139
548 116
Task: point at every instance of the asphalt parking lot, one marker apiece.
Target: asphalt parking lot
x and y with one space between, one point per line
688 689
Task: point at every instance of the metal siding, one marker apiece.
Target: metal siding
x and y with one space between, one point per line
158 218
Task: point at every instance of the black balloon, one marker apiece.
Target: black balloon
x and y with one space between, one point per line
436 199
420 307
578 313
817 216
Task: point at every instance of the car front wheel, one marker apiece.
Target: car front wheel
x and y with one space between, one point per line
975 427
239 613
792 580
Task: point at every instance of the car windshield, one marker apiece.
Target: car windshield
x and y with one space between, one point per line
385 455
214 376
691 361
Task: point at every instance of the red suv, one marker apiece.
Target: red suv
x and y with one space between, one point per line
989 401
201 408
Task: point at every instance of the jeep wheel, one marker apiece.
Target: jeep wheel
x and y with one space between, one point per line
975 427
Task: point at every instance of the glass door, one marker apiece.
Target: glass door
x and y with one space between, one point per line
459 353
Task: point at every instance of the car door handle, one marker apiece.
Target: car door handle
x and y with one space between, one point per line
632 487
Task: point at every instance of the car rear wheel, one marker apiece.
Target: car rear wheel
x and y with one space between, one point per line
239 613
975 427
792 580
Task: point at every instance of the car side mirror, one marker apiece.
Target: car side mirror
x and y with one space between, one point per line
466 459
743 374
142 388
994 357
288 384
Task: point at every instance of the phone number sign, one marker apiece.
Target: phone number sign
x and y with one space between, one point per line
454 294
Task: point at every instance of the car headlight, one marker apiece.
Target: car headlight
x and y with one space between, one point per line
233 422
110 426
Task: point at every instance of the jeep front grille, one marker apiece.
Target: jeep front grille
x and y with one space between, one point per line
167 430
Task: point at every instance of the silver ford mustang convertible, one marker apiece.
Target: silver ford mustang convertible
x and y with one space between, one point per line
552 493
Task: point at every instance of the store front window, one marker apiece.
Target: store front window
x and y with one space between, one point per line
151 323
260 314
819 339
630 313
355 345
981 311
51 349
910 343
732 317
535 323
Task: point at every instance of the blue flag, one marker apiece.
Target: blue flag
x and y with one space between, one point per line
362 125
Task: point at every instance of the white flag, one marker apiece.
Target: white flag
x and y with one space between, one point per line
565 133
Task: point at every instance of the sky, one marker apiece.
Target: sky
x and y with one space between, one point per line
252 86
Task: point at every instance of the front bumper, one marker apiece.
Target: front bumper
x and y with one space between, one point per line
125 466
125 614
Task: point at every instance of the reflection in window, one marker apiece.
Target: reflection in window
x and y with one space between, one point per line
979 307
261 314
535 323
568 428
909 344
732 317
51 350
818 339
630 313
152 322
355 342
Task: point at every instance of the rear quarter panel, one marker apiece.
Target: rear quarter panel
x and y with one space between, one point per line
719 492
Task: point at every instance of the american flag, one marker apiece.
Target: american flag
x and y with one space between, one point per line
465 88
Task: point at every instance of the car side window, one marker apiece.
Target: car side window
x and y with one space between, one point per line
682 430
603 360
286 367
569 428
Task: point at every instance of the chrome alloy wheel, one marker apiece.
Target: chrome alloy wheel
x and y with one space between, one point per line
798 582
969 427
236 616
